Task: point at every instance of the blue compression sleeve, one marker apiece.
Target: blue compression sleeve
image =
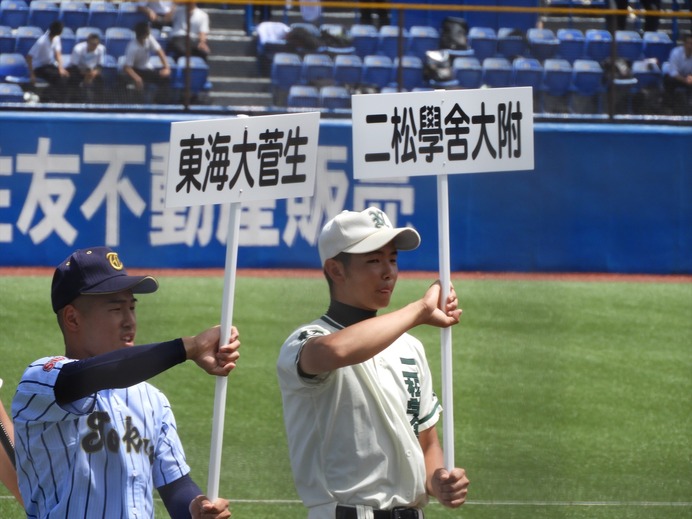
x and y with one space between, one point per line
178 495
121 368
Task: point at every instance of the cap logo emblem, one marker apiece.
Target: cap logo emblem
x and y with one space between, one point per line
378 218
114 260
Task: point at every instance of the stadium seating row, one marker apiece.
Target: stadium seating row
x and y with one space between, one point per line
115 39
41 13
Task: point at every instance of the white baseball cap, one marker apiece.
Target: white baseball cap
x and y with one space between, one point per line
359 232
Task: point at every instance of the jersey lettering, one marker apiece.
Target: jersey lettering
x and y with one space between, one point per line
102 436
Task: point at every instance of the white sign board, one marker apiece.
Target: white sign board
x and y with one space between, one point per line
242 159
442 132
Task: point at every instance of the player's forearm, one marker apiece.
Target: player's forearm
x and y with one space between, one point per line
121 368
359 342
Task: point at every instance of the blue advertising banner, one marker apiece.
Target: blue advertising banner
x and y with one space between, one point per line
602 198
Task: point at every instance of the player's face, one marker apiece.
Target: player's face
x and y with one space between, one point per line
370 278
108 322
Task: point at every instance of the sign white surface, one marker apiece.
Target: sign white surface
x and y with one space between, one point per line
442 132
242 159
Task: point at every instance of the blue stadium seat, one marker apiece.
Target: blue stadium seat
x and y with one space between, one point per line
422 38
68 40
648 75
25 37
334 97
109 70
129 15
597 44
483 41
116 40
656 44
571 44
628 45
497 72
303 96
13 68
543 43
42 13
377 70
102 15
199 74
388 41
317 69
74 14
411 72
11 93
155 63
557 80
364 39
587 86
347 69
285 71
527 72
467 71
14 13
511 43
7 39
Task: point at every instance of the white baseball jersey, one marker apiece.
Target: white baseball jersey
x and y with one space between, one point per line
43 51
101 456
352 432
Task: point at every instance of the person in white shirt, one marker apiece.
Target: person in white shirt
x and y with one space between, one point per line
137 68
45 61
678 77
156 12
199 30
86 64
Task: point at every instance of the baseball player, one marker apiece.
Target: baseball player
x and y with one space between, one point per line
93 439
358 400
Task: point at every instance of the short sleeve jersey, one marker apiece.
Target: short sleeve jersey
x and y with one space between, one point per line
352 433
85 60
101 456
43 51
137 54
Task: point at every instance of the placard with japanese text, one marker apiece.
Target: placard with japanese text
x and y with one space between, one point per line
442 132
242 159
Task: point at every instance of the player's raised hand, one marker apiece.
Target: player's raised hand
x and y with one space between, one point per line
202 508
205 351
435 316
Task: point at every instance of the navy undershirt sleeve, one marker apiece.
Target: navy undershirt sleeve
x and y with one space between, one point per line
117 369
178 495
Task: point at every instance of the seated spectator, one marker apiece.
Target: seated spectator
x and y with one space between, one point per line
678 79
45 61
138 71
86 64
157 12
199 30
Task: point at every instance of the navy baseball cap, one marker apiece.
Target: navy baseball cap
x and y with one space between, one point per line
97 270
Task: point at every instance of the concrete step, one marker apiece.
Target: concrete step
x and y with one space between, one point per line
236 66
240 84
248 99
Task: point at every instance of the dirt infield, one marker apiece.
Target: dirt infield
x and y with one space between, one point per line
313 273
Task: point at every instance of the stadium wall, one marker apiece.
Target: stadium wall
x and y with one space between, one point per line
602 198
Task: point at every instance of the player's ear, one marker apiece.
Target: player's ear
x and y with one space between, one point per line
334 269
70 318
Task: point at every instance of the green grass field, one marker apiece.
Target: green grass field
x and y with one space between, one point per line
572 399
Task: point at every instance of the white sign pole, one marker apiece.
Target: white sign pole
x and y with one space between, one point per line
445 333
226 322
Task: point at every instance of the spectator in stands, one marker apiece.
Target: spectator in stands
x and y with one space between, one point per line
650 22
677 80
199 30
138 69
45 61
157 12
382 13
86 64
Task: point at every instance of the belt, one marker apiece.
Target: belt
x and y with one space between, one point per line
350 512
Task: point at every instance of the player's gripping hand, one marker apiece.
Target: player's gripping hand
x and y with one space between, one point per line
205 351
433 314
450 488
202 508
